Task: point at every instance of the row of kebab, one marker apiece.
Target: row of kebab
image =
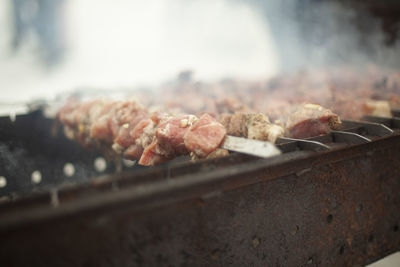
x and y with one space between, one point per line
186 117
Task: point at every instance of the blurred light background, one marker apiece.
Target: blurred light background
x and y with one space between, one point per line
48 46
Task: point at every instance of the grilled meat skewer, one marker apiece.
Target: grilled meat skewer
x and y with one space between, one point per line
128 129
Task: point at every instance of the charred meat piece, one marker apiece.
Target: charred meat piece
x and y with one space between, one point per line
310 120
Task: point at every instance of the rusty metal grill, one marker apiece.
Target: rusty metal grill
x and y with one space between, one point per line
331 200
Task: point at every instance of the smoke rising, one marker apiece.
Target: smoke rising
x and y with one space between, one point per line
127 43
315 34
124 43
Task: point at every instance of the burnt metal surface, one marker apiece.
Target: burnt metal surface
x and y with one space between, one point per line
31 142
334 208
393 123
305 144
366 128
337 207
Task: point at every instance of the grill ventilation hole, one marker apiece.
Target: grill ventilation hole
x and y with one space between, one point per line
3 181
370 238
359 208
329 218
69 169
36 177
129 163
341 250
100 164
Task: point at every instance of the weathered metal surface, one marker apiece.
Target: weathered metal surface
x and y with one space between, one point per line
335 208
304 144
396 113
29 143
370 128
393 123
349 138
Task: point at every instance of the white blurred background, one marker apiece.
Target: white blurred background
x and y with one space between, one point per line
49 46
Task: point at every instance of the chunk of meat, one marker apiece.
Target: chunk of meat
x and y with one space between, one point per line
123 112
352 110
251 125
124 137
133 152
152 155
143 133
310 120
100 124
108 121
379 108
100 130
132 142
170 133
77 117
260 128
204 136
274 132
235 124
218 153
66 114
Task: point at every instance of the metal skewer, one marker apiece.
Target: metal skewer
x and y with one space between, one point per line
257 148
